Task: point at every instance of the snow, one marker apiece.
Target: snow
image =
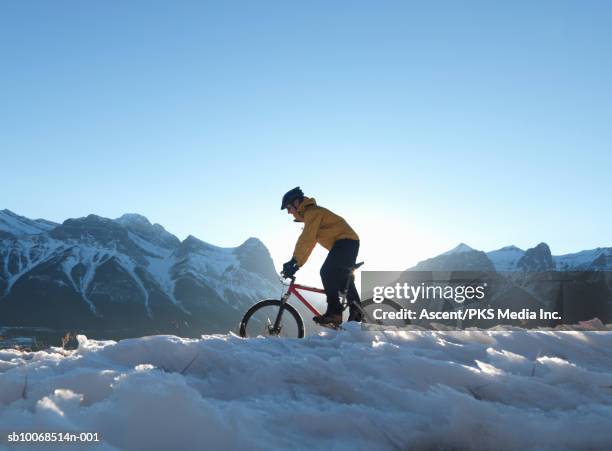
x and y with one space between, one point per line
506 258
128 265
155 233
133 218
352 389
219 268
31 250
22 226
149 247
216 267
212 261
91 258
159 265
579 260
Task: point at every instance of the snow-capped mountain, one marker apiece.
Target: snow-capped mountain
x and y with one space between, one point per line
600 258
461 247
12 224
514 259
578 286
125 274
506 258
461 257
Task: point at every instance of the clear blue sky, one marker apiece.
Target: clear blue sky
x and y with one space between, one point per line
423 123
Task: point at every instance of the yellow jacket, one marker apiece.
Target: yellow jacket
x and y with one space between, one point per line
320 226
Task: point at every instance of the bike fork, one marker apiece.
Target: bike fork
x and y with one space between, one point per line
276 328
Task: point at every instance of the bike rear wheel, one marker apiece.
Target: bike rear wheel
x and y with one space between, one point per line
386 313
259 321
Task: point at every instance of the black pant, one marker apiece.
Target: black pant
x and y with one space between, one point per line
334 273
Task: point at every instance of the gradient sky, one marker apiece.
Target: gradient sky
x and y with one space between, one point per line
423 123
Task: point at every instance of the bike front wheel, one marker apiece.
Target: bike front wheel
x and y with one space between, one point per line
260 320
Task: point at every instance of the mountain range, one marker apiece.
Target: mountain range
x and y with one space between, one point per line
578 286
125 275
514 259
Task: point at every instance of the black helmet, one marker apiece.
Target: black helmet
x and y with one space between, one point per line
290 196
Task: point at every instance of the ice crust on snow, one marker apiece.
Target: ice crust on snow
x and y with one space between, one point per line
353 389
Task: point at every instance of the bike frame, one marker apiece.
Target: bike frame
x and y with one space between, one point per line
294 290
295 287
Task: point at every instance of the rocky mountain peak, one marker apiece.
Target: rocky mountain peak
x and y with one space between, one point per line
461 247
252 242
510 248
191 244
538 258
133 219
98 231
154 233
12 224
255 257
461 257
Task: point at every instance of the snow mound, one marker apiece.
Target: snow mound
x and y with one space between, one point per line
354 389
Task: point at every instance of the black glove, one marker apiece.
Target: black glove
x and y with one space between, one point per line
290 268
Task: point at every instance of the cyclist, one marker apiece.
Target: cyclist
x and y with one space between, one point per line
334 234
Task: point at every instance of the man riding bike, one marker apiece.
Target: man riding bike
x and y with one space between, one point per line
334 234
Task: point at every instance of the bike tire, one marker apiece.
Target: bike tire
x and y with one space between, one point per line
389 306
273 304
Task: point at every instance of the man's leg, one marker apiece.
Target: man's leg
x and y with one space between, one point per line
352 294
330 279
335 271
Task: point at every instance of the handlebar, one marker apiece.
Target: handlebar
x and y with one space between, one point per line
351 270
283 279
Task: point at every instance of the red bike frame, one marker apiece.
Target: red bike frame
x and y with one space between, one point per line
293 289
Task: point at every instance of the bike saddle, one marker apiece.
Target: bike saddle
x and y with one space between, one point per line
357 265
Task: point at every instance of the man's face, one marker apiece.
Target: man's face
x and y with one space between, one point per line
292 210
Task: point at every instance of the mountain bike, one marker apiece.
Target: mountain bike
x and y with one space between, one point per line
276 317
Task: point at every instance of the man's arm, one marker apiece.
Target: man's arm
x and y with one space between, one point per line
308 239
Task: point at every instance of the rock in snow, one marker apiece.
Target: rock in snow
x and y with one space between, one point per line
355 389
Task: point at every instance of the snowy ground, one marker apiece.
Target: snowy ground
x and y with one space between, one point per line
336 390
